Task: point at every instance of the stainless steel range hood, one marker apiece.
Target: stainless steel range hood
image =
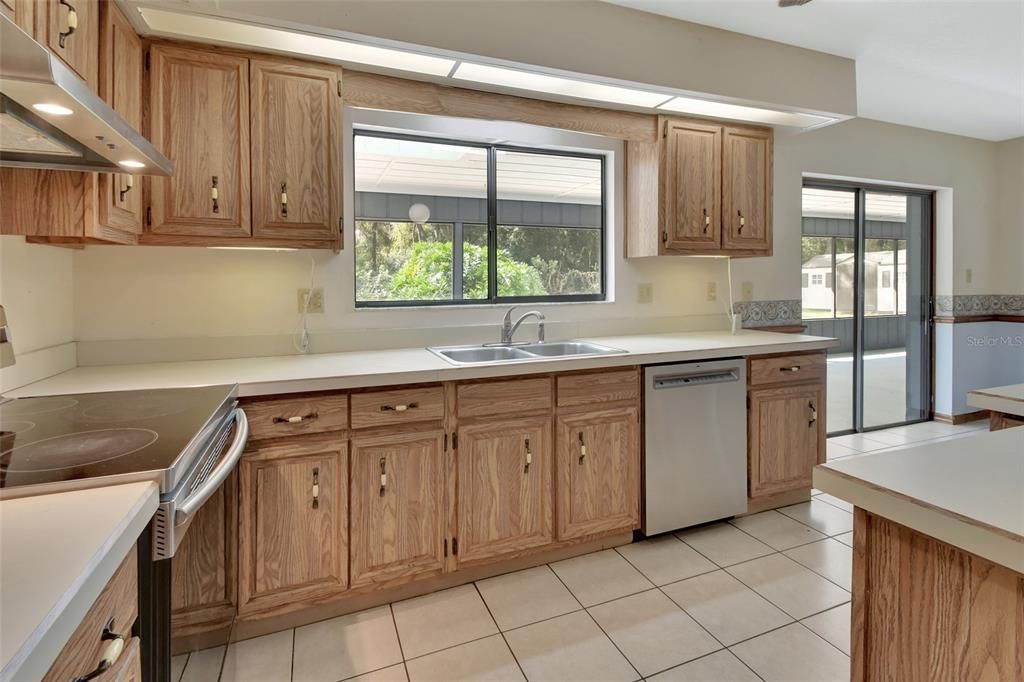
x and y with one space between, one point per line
49 118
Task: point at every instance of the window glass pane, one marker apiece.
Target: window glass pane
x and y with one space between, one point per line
474 261
879 265
844 273
901 276
409 196
549 224
818 300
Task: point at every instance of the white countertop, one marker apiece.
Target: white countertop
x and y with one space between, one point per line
1005 399
57 552
967 492
330 371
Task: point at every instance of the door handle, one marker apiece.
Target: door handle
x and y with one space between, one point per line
583 448
129 182
529 458
316 487
743 221
383 476
707 221
72 24
814 414
215 195
284 199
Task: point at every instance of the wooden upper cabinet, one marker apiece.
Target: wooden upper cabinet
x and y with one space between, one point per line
21 12
296 150
747 189
504 487
294 540
398 507
692 186
120 85
71 30
199 118
786 437
598 466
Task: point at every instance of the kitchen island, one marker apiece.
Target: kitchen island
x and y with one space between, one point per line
938 573
1004 403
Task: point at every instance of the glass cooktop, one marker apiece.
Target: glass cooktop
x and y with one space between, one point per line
70 437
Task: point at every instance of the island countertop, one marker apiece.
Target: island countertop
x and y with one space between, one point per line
360 369
57 553
967 492
1006 399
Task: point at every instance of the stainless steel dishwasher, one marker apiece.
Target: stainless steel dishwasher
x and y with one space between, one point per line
695 443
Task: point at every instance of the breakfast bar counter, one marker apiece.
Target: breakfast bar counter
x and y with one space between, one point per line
938 573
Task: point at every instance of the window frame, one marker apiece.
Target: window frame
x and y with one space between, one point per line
492 299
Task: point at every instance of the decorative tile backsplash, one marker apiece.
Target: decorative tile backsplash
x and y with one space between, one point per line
967 305
768 313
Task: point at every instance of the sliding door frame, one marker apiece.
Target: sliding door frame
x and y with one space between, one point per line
860 191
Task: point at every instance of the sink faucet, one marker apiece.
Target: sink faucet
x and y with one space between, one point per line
508 328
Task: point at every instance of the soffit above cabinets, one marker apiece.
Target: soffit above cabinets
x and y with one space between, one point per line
301 31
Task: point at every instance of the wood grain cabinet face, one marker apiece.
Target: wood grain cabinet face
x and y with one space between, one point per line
199 110
293 543
397 486
598 471
747 189
693 186
296 150
504 488
786 437
71 31
120 85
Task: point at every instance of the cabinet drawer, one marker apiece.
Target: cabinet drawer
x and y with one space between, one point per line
502 397
787 369
598 387
402 406
118 602
295 416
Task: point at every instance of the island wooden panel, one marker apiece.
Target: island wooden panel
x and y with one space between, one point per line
924 610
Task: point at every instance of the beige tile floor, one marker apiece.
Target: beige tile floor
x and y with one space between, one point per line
763 597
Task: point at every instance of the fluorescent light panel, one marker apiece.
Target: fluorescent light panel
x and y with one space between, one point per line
556 85
703 107
302 44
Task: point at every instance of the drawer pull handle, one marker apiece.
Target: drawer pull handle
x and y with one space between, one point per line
316 487
215 195
583 448
296 419
398 408
794 368
129 182
284 199
72 24
111 652
814 414
529 458
383 476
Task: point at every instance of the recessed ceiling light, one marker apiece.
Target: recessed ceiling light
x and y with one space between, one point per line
54 109
223 31
557 85
130 163
703 107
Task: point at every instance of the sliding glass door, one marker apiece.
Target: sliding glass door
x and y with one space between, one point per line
866 280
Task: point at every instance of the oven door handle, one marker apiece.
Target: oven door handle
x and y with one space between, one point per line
194 501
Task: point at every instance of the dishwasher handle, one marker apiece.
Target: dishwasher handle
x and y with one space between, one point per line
719 376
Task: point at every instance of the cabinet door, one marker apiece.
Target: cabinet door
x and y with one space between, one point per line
294 541
120 85
398 503
296 150
598 472
504 487
747 189
21 12
199 112
693 186
204 569
71 31
786 437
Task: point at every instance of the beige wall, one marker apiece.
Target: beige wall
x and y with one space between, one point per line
1010 215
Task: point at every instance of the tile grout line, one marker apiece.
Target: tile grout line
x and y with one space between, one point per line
500 631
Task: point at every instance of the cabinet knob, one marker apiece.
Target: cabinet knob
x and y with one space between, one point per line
72 24
399 408
297 419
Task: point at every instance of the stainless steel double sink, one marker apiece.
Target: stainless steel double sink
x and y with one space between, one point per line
486 353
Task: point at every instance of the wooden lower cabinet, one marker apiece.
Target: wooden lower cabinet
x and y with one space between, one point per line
786 437
293 542
598 466
397 486
504 488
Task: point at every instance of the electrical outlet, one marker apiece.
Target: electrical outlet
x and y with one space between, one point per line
645 293
747 291
969 275
712 291
316 300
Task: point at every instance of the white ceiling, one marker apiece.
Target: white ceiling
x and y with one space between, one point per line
956 66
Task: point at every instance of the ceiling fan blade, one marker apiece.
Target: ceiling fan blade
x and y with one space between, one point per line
792 3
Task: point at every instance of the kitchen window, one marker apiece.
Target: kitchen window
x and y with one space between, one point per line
448 222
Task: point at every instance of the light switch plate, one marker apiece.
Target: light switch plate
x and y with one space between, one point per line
645 293
747 291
